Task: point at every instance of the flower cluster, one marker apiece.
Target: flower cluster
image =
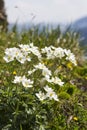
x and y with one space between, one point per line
47 74
53 52
17 53
24 53
21 54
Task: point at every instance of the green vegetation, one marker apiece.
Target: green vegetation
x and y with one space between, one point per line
20 107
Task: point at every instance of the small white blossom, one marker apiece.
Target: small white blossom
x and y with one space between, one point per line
25 48
31 71
35 51
27 57
49 52
47 88
70 56
41 96
40 66
17 79
11 51
26 82
55 80
46 72
50 93
10 54
8 58
16 51
59 52
21 58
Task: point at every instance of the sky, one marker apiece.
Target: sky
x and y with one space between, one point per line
48 11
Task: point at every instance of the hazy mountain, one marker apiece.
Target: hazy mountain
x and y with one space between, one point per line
81 26
81 23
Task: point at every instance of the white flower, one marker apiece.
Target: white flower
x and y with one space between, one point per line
59 52
16 52
26 56
70 56
25 48
30 48
21 58
8 58
10 51
17 79
55 80
47 88
47 77
35 51
46 49
50 93
26 82
46 72
40 66
31 71
10 54
41 96
49 52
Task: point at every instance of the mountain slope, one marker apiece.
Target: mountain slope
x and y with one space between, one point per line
81 26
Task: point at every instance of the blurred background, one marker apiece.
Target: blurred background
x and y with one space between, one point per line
25 14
